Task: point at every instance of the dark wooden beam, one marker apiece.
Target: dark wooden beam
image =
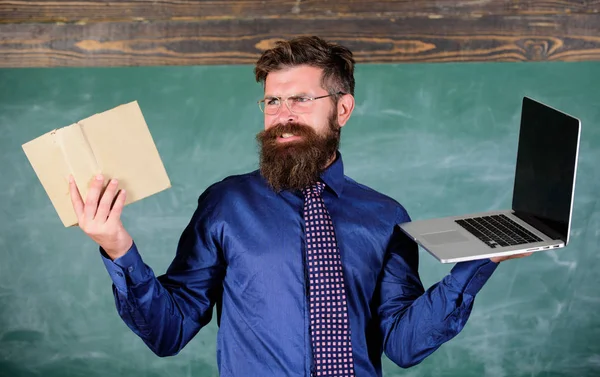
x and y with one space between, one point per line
151 10
102 33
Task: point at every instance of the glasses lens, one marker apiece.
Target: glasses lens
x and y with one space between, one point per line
300 105
271 109
269 106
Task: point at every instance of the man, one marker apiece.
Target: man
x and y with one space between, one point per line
307 268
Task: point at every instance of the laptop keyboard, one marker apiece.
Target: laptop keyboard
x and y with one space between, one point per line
498 231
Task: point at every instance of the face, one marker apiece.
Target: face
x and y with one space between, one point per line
302 80
297 147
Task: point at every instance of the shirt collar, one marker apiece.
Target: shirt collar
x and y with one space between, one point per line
333 176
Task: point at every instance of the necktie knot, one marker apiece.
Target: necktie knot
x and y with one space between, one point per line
314 189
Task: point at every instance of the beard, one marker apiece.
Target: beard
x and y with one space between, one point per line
296 164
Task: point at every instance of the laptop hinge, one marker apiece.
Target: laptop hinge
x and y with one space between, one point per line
540 225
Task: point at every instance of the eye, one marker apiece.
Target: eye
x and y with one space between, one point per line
300 99
274 101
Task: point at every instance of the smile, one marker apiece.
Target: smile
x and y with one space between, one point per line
286 137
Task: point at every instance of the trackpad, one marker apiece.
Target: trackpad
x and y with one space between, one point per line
439 238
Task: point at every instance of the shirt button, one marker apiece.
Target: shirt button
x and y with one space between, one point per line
130 269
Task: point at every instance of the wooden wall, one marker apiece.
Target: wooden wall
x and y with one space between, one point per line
180 32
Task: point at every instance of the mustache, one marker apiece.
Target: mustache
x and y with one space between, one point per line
297 129
294 165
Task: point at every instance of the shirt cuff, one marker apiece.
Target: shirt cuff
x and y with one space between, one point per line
128 267
471 276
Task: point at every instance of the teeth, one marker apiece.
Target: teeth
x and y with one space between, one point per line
285 136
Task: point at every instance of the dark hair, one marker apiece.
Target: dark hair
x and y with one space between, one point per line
335 60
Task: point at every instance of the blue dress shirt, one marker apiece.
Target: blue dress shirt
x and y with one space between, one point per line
244 251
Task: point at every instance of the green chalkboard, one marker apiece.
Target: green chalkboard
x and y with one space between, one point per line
440 138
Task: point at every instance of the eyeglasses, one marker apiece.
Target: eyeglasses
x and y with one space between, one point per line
296 104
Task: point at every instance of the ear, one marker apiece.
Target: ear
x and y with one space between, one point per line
345 106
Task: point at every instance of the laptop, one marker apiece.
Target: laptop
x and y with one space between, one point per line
542 205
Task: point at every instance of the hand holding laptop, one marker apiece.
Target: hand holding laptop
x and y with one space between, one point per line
516 256
542 207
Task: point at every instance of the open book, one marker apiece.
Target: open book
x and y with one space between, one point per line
116 143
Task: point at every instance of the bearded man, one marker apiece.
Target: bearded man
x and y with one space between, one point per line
308 269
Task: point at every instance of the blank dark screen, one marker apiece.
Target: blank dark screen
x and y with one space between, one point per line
546 156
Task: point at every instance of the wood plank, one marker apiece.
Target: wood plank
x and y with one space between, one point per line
85 11
415 39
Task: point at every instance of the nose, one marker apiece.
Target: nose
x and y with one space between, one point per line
285 115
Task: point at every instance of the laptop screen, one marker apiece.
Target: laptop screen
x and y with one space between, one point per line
546 164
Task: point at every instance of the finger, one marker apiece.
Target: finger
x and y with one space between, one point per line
523 255
75 198
509 257
107 200
91 201
514 256
117 209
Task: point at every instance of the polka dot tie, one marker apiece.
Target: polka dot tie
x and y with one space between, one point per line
329 326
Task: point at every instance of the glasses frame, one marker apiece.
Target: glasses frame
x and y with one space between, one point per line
262 101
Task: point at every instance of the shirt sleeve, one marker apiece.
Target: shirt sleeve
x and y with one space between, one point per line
414 322
166 312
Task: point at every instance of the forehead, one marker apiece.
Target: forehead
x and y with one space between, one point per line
292 80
